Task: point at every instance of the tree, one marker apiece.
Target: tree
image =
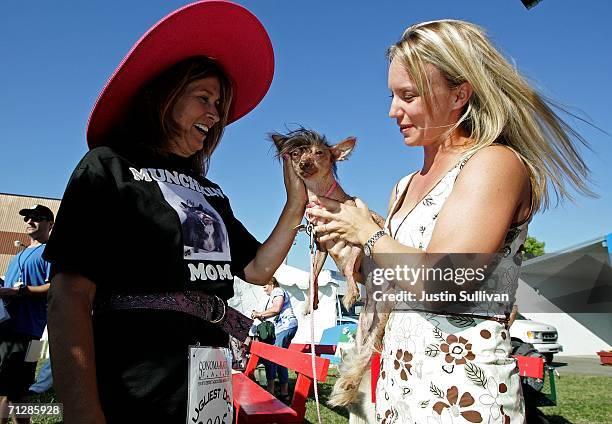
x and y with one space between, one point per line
533 248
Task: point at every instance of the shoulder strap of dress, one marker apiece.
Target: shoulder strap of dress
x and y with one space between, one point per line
400 190
401 184
464 159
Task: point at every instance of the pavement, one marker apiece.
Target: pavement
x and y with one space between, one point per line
585 365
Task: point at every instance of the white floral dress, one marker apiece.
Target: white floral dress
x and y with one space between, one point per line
442 368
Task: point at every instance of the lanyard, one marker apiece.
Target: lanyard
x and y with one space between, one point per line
21 264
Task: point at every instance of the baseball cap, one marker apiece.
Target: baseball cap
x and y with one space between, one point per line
38 211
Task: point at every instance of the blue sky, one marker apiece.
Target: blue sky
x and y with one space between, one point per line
330 76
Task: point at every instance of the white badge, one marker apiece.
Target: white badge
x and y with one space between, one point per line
210 399
34 352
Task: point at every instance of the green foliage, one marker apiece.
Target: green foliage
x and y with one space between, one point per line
533 248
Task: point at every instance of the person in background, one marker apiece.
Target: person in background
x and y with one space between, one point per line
44 379
24 291
279 310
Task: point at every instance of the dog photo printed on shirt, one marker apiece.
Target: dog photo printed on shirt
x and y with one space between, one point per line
204 232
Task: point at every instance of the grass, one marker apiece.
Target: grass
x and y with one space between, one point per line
581 400
328 414
47 397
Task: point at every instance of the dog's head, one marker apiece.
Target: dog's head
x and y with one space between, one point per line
212 227
311 155
208 221
207 218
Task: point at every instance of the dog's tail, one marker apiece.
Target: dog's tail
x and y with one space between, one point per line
355 365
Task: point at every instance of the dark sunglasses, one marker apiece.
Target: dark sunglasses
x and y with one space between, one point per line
33 218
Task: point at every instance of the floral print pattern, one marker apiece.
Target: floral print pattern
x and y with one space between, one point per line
402 363
390 416
457 409
457 349
451 370
493 400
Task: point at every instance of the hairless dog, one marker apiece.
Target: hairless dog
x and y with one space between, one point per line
314 161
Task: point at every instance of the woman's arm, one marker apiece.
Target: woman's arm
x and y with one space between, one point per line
72 349
274 250
274 310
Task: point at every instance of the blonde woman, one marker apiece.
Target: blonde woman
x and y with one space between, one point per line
493 151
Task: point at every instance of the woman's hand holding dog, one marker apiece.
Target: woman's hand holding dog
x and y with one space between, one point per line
273 251
352 224
296 191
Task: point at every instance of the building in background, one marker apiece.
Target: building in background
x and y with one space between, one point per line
12 227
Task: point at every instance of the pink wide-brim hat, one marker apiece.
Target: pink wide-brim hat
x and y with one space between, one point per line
223 31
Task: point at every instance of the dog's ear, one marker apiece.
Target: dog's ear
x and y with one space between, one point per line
278 140
342 150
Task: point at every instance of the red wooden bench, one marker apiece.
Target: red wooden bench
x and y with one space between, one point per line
530 366
319 349
534 367
254 404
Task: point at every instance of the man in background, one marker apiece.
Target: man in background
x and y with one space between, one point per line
24 293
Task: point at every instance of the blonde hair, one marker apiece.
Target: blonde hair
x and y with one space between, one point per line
503 107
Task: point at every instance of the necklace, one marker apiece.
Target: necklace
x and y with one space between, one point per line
21 264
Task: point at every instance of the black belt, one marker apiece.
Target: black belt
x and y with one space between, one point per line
204 306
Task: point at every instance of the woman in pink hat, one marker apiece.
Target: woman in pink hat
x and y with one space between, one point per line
162 243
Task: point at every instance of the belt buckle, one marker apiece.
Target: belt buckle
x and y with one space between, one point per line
224 310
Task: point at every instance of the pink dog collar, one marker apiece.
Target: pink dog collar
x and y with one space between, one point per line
314 205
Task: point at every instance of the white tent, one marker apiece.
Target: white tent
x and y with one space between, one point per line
294 281
572 290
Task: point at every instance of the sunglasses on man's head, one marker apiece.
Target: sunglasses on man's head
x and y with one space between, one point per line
33 218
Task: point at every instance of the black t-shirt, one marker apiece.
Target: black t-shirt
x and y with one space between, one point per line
142 223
